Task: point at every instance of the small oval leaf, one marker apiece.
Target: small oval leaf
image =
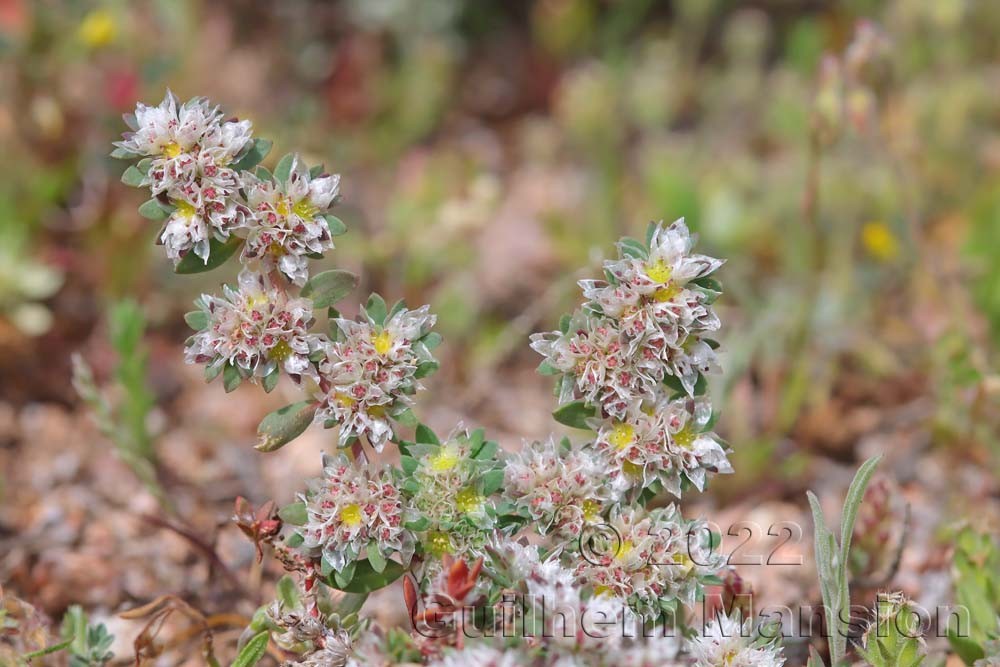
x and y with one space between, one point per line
329 287
154 210
366 579
284 425
257 152
218 253
284 168
574 414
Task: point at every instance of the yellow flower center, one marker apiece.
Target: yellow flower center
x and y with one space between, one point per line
282 208
622 435
377 411
683 560
344 400
350 516
255 299
468 500
632 469
685 436
659 271
304 209
281 351
184 209
172 150
666 293
624 549
601 589
444 460
438 543
382 342
591 509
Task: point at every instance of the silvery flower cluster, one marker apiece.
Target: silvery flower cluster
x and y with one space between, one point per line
285 224
560 488
189 152
654 559
354 511
455 517
256 328
635 357
370 370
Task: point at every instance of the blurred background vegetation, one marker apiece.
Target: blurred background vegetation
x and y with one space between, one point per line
844 157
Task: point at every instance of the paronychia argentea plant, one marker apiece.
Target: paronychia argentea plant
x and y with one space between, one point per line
551 556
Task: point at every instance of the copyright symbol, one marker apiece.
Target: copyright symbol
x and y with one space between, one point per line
599 543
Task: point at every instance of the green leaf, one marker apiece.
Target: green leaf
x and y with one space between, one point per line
295 540
270 381
133 177
425 435
366 579
492 481
154 210
545 368
294 514
564 323
55 648
650 230
815 659
406 418
855 494
708 284
284 425
231 378
632 248
421 524
329 287
316 171
487 451
425 368
284 168
346 575
574 414
376 560
254 650
263 173
376 309
336 225
408 464
431 340
288 592
121 154
257 152
967 649
218 253
196 319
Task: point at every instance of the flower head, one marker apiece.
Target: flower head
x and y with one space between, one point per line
257 328
665 441
188 151
726 642
595 364
560 488
352 510
650 559
452 485
285 222
370 371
